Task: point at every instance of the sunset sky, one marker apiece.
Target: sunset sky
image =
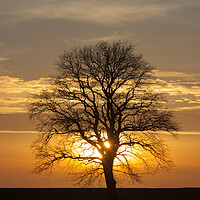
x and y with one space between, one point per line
34 33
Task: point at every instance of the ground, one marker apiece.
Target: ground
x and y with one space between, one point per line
98 193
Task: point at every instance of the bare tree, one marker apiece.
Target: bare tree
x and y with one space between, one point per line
100 110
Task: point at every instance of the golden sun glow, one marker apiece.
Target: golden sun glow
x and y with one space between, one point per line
86 150
106 144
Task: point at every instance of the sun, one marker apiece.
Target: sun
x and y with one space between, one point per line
84 149
106 144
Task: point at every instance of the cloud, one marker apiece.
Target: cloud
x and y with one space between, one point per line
177 88
106 12
181 94
3 59
178 83
13 85
186 108
110 37
177 75
181 89
15 93
12 110
18 132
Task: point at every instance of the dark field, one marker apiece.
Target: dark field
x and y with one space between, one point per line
98 194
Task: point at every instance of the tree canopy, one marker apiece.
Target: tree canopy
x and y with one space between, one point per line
100 110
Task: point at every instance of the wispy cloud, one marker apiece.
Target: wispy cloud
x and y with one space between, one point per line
15 93
106 12
177 87
110 37
182 89
3 59
178 75
186 108
18 132
181 94
13 85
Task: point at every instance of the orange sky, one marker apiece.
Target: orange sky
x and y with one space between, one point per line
17 159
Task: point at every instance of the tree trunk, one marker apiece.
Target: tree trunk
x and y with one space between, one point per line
110 181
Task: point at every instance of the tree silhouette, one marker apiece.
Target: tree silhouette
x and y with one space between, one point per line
100 110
